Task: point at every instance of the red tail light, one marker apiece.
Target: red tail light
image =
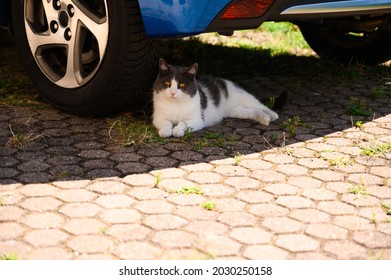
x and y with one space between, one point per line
247 9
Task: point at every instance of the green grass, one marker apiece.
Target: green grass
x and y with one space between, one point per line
342 161
376 150
8 257
132 131
190 190
358 190
292 124
359 107
208 205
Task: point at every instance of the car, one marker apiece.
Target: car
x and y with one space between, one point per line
99 57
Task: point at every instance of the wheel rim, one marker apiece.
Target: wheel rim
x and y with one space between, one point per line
67 38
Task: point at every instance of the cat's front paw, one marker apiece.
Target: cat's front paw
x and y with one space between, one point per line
165 132
179 130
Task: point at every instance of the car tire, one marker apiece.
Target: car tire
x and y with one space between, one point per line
87 57
347 47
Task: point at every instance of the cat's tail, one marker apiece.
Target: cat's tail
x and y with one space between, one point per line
278 102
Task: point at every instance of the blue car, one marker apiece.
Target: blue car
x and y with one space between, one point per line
96 57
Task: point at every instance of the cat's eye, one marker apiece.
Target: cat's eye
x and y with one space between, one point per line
182 85
168 84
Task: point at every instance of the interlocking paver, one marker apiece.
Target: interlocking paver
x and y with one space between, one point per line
297 242
265 252
76 193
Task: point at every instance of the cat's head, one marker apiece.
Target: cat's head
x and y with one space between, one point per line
175 82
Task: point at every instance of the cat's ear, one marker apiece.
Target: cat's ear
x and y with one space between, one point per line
192 70
163 65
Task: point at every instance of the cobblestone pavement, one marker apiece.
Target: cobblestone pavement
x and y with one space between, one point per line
307 193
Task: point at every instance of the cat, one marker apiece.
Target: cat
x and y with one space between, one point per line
182 102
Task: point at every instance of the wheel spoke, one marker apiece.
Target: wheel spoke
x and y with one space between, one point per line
99 27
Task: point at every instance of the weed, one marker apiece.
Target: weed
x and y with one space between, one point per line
103 229
210 139
131 131
358 190
292 124
271 102
238 158
8 257
342 161
378 92
208 205
190 190
376 150
158 178
20 140
358 107
374 218
358 124
387 207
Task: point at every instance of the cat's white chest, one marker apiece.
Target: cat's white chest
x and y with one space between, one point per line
176 111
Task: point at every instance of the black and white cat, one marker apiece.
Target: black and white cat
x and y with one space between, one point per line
183 103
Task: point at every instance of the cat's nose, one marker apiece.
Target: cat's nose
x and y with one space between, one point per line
173 93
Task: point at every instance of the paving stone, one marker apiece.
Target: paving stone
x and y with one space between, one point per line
10 230
268 210
229 204
310 216
76 195
128 232
326 231
207 228
174 239
294 202
107 187
265 252
255 164
41 204
237 219
366 179
168 173
146 193
291 169
281 189
90 244
217 190
10 213
46 237
220 246
231 170
282 225
175 184
255 197
345 249
381 171
328 175
186 199
372 239
114 201
82 226
205 177
297 243
353 222
360 200
319 194
251 235
336 207
51 253
339 187
278 158
140 180
37 190
44 220
242 183
121 216
196 213
133 167
269 176
137 251
199 167
304 182
154 207
379 192
164 221
79 210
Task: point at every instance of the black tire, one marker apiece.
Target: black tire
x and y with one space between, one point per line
114 65
347 47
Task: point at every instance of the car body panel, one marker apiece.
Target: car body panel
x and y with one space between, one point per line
166 18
